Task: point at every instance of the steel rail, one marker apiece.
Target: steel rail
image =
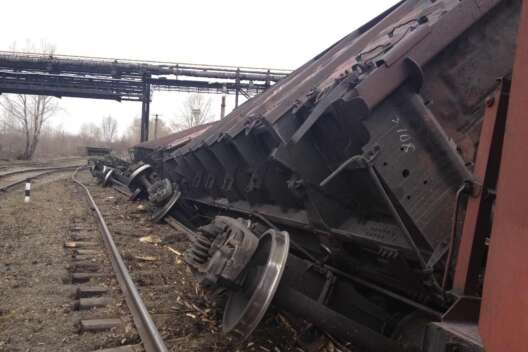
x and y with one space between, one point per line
49 168
150 336
16 183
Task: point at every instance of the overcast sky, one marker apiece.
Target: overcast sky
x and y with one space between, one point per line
268 34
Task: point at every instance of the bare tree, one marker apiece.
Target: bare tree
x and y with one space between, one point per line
108 128
90 133
134 130
29 113
196 110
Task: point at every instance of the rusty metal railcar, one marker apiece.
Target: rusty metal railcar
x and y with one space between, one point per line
156 151
348 178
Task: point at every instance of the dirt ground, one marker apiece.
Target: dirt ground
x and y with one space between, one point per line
36 302
35 307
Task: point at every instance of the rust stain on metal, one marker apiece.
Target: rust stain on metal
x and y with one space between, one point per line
472 247
504 321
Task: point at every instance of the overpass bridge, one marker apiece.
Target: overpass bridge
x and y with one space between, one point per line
126 80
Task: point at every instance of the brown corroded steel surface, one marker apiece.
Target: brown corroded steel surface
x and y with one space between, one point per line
368 142
176 139
478 212
361 155
504 322
446 20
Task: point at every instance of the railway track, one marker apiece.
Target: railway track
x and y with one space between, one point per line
8 165
25 171
185 314
85 291
32 174
149 334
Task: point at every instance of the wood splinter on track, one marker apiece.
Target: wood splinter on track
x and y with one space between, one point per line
174 251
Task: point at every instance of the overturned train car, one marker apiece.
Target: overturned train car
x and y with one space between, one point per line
339 193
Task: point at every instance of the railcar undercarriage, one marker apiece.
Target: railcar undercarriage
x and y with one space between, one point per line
339 193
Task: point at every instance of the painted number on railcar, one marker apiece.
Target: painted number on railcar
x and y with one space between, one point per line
404 135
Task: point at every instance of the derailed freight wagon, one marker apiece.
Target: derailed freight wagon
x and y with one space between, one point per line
156 151
339 193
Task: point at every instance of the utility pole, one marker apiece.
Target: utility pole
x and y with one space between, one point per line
237 87
156 125
223 105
